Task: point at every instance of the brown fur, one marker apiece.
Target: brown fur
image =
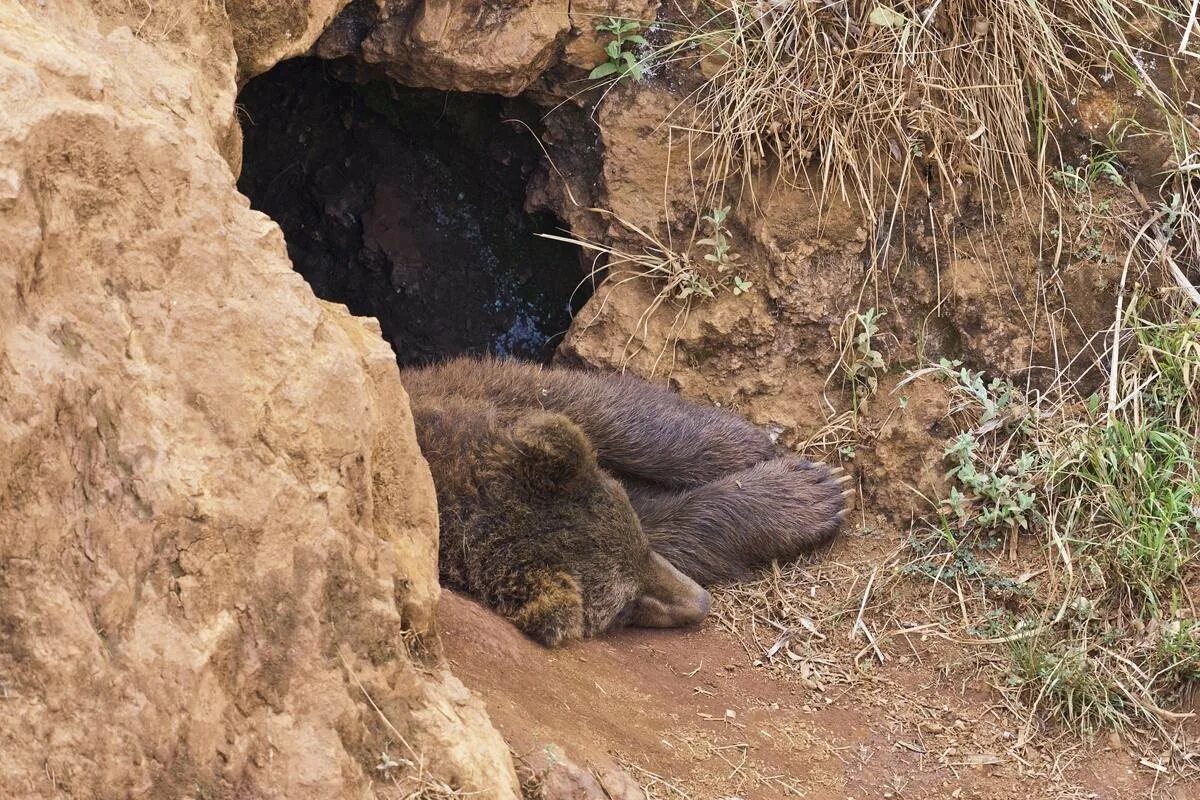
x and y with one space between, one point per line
533 527
639 430
711 494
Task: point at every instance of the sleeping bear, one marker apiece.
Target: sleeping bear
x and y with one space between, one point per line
573 502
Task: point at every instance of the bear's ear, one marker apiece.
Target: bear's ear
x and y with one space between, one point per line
553 609
552 452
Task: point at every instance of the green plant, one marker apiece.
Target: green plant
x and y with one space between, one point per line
996 498
939 556
718 240
1109 483
1103 163
693 283
720 246
861 361
621 61
1062 678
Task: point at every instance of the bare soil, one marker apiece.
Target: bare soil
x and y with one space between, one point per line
688 715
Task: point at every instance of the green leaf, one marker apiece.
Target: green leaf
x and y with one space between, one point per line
632 66
603 71
613 49
636 39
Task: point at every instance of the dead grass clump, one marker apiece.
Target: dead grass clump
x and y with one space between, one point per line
793 620
679 275
877 92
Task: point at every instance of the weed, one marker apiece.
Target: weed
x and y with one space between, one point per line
1112 489
1066 682
1102 164
718 240
621 61
861 360
939 556
996 498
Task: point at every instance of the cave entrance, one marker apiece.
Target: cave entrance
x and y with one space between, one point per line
408 205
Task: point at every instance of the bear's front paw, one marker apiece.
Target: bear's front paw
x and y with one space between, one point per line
553 611
826 492
789 505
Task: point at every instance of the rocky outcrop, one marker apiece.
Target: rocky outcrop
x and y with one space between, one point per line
266 32
475 46
217 535
498 48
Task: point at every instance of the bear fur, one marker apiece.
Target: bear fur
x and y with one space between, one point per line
533 527
573 502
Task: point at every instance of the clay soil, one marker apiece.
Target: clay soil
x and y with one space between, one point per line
688 714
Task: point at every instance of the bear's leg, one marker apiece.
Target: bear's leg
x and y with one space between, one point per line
717 532
548 607
638 429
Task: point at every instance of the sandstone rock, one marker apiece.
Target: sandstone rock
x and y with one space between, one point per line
552 775
901 465
266 32
642 160
217 535
499 48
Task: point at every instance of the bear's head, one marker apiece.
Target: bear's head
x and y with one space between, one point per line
582 564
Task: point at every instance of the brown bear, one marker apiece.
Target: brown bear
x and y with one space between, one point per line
533 527
573 502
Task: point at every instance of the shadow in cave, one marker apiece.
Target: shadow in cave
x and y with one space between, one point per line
408 205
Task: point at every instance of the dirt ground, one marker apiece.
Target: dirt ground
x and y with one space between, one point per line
689 716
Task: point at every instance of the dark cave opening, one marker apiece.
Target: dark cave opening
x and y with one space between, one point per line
408 205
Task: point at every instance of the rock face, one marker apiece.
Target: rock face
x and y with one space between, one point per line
266 32
476 45
217 535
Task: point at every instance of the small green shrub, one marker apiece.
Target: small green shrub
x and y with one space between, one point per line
621 61
861 360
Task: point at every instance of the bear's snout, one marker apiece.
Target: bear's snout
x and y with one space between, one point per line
669 598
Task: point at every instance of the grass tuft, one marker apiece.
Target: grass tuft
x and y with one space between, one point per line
885 96
1110 638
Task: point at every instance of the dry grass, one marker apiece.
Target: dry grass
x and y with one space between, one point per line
882 96
1098 626
679 275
